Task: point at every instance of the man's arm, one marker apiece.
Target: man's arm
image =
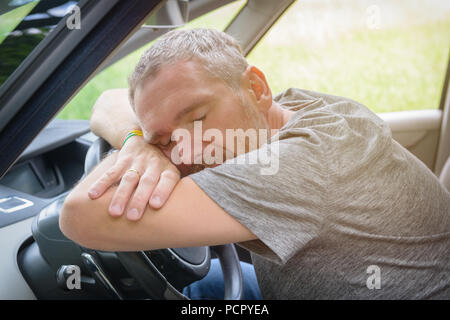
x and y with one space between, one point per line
112 117
189 218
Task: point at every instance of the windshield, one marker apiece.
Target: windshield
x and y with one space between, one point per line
23 24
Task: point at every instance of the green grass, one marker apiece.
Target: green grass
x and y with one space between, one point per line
387 70
400 68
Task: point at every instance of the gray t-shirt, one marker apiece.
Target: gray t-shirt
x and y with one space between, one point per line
350 213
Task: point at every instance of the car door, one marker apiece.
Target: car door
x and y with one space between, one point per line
424 133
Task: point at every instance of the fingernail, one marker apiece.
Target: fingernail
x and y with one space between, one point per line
116 210
155 201
133 214
93 193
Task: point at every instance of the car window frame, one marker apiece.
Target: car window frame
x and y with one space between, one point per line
30 102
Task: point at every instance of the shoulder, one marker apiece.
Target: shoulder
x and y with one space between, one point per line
322 111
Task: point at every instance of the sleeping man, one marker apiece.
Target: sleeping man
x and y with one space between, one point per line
313 185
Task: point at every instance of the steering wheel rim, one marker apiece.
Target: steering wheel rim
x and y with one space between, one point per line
144 271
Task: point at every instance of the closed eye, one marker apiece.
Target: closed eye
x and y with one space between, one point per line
200 119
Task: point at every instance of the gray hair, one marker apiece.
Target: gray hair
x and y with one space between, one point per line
219 54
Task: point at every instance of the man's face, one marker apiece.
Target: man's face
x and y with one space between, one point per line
183 93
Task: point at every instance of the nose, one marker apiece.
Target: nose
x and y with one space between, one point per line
156 139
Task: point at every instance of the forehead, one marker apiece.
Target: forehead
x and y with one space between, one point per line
172 88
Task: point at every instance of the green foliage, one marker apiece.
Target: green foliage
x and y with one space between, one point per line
393 69
14 49
10 19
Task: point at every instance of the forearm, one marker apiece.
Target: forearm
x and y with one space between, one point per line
188 219
88 222
112 117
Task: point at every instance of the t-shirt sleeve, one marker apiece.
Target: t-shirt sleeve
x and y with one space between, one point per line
276 192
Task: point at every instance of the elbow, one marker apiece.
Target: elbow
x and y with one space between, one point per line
72 221
96 118
94 123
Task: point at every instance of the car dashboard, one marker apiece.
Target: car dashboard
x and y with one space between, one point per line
49 167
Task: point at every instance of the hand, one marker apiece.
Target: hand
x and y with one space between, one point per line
153 182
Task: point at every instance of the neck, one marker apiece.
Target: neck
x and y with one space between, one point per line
277 117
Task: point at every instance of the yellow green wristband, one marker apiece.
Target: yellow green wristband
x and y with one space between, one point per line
132 133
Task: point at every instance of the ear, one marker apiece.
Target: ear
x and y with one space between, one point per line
258 88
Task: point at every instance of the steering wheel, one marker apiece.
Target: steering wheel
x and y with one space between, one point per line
193 263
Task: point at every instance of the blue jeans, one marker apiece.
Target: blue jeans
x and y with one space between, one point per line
212 286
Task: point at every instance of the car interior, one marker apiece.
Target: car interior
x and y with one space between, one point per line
36 259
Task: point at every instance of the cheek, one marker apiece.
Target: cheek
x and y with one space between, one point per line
184 147
235 116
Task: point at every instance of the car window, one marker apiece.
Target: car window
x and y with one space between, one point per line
388 55
116 75
23 25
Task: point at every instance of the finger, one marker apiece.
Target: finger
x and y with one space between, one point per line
140 198
166 184
123 193
111 176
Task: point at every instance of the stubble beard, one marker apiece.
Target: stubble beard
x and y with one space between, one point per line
253 119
